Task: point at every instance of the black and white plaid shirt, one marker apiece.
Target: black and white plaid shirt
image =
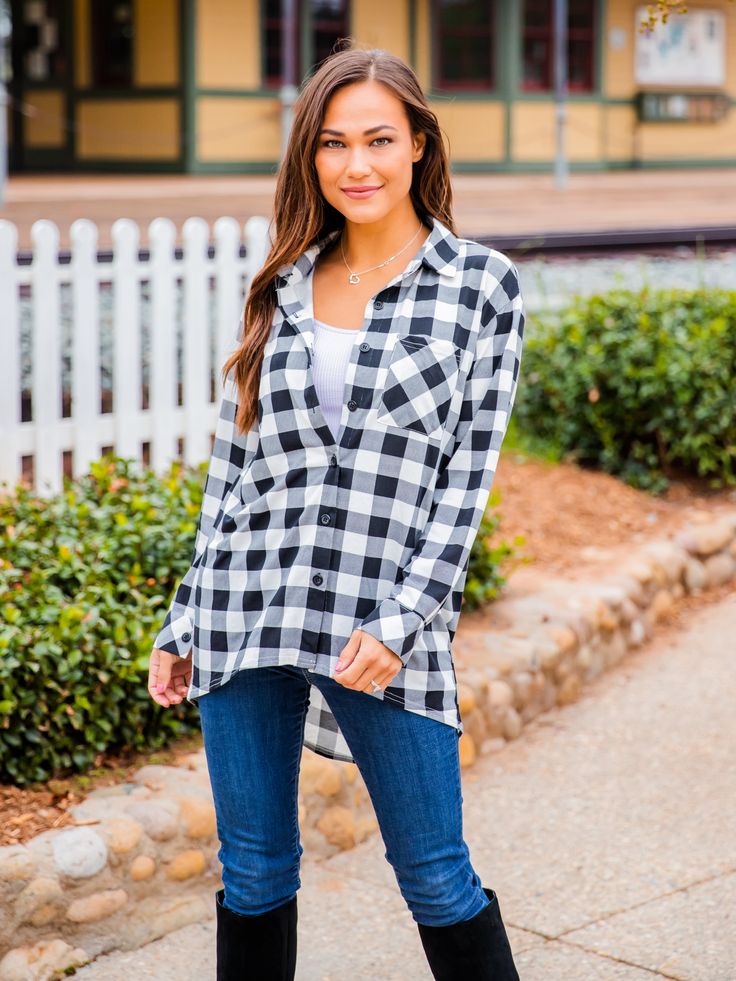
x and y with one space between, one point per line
302 538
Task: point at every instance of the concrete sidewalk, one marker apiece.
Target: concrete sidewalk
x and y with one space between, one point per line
606 829
484 204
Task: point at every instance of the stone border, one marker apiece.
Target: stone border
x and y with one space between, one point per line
142 861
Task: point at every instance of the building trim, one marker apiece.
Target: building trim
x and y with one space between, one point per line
188 80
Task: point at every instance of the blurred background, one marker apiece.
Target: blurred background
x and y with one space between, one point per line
204 86
594 143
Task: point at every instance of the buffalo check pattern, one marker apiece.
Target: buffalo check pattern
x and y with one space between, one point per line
303 538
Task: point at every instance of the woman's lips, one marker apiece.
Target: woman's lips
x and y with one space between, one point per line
359 195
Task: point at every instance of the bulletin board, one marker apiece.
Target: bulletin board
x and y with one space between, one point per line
688 50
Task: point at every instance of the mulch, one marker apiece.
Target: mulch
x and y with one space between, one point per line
562 509
559 509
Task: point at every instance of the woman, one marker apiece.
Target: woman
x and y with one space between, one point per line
359 431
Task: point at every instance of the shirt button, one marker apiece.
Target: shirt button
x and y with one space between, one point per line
186 637
352 405
333 460
378 305
325 519
317 579
365 347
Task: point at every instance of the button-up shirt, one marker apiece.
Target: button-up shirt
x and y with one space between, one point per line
304 537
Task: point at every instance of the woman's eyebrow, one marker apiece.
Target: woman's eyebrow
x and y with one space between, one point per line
367 132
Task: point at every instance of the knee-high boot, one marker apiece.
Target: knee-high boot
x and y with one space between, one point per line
477 948
261 947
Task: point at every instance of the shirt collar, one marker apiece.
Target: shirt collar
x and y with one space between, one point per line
439 251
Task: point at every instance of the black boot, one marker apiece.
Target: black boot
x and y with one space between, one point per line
472 950
256 948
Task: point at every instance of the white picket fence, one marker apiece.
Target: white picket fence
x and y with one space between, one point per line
63 324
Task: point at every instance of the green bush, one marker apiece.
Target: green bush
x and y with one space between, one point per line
485 581
641 385
85 578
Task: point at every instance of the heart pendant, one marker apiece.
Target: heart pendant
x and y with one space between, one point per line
353 278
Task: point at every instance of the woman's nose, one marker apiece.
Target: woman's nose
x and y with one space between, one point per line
358 163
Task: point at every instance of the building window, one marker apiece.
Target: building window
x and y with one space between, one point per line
538 46
112 44
464 42
44 59
327 22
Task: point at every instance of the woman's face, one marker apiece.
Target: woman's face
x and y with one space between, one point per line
366 141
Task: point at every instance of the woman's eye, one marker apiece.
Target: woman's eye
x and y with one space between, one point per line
386 138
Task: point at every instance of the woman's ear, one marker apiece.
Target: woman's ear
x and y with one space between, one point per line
420 142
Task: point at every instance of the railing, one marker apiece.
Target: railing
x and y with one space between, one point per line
117 351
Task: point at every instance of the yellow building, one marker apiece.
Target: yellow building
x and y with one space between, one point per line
194 85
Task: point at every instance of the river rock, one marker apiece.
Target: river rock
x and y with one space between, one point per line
41 960
16 864
142 867
569 690
719 569
669 556
338 827
695 576
160 818
40 902
705 539
512 724
98 906
197 816
187 864
466 699
466 749
79 853
122 834
156 776
661 605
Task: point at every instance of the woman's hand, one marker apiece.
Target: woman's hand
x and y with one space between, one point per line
364 659
169 677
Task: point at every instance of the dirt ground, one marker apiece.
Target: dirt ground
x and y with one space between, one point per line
560 510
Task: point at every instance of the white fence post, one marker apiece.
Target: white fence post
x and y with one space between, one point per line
163 392
47 434
126 332
196 339
10 393
86 390
46 357
228 296
257 246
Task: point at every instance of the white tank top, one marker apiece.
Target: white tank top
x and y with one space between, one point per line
332 349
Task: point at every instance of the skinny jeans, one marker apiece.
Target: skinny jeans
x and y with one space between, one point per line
253 727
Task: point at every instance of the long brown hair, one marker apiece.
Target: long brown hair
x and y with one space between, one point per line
302 216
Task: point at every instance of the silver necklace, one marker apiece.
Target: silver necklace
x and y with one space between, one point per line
354 277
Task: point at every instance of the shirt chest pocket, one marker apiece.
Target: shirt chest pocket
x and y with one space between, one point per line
421 379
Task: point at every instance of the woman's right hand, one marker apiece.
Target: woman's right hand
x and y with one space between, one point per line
169 677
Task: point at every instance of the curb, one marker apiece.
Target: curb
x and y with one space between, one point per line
142 861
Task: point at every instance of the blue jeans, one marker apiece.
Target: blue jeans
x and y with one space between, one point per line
253 728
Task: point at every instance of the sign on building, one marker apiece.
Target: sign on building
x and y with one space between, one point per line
688 50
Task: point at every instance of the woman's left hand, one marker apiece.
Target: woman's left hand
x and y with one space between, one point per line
364 659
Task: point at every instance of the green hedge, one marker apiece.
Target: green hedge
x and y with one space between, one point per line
85 578
641 385
84 581
485 581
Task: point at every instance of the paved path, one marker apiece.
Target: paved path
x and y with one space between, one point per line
485 204
606 829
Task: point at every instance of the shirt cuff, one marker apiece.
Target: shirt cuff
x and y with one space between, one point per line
395 626
175 637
